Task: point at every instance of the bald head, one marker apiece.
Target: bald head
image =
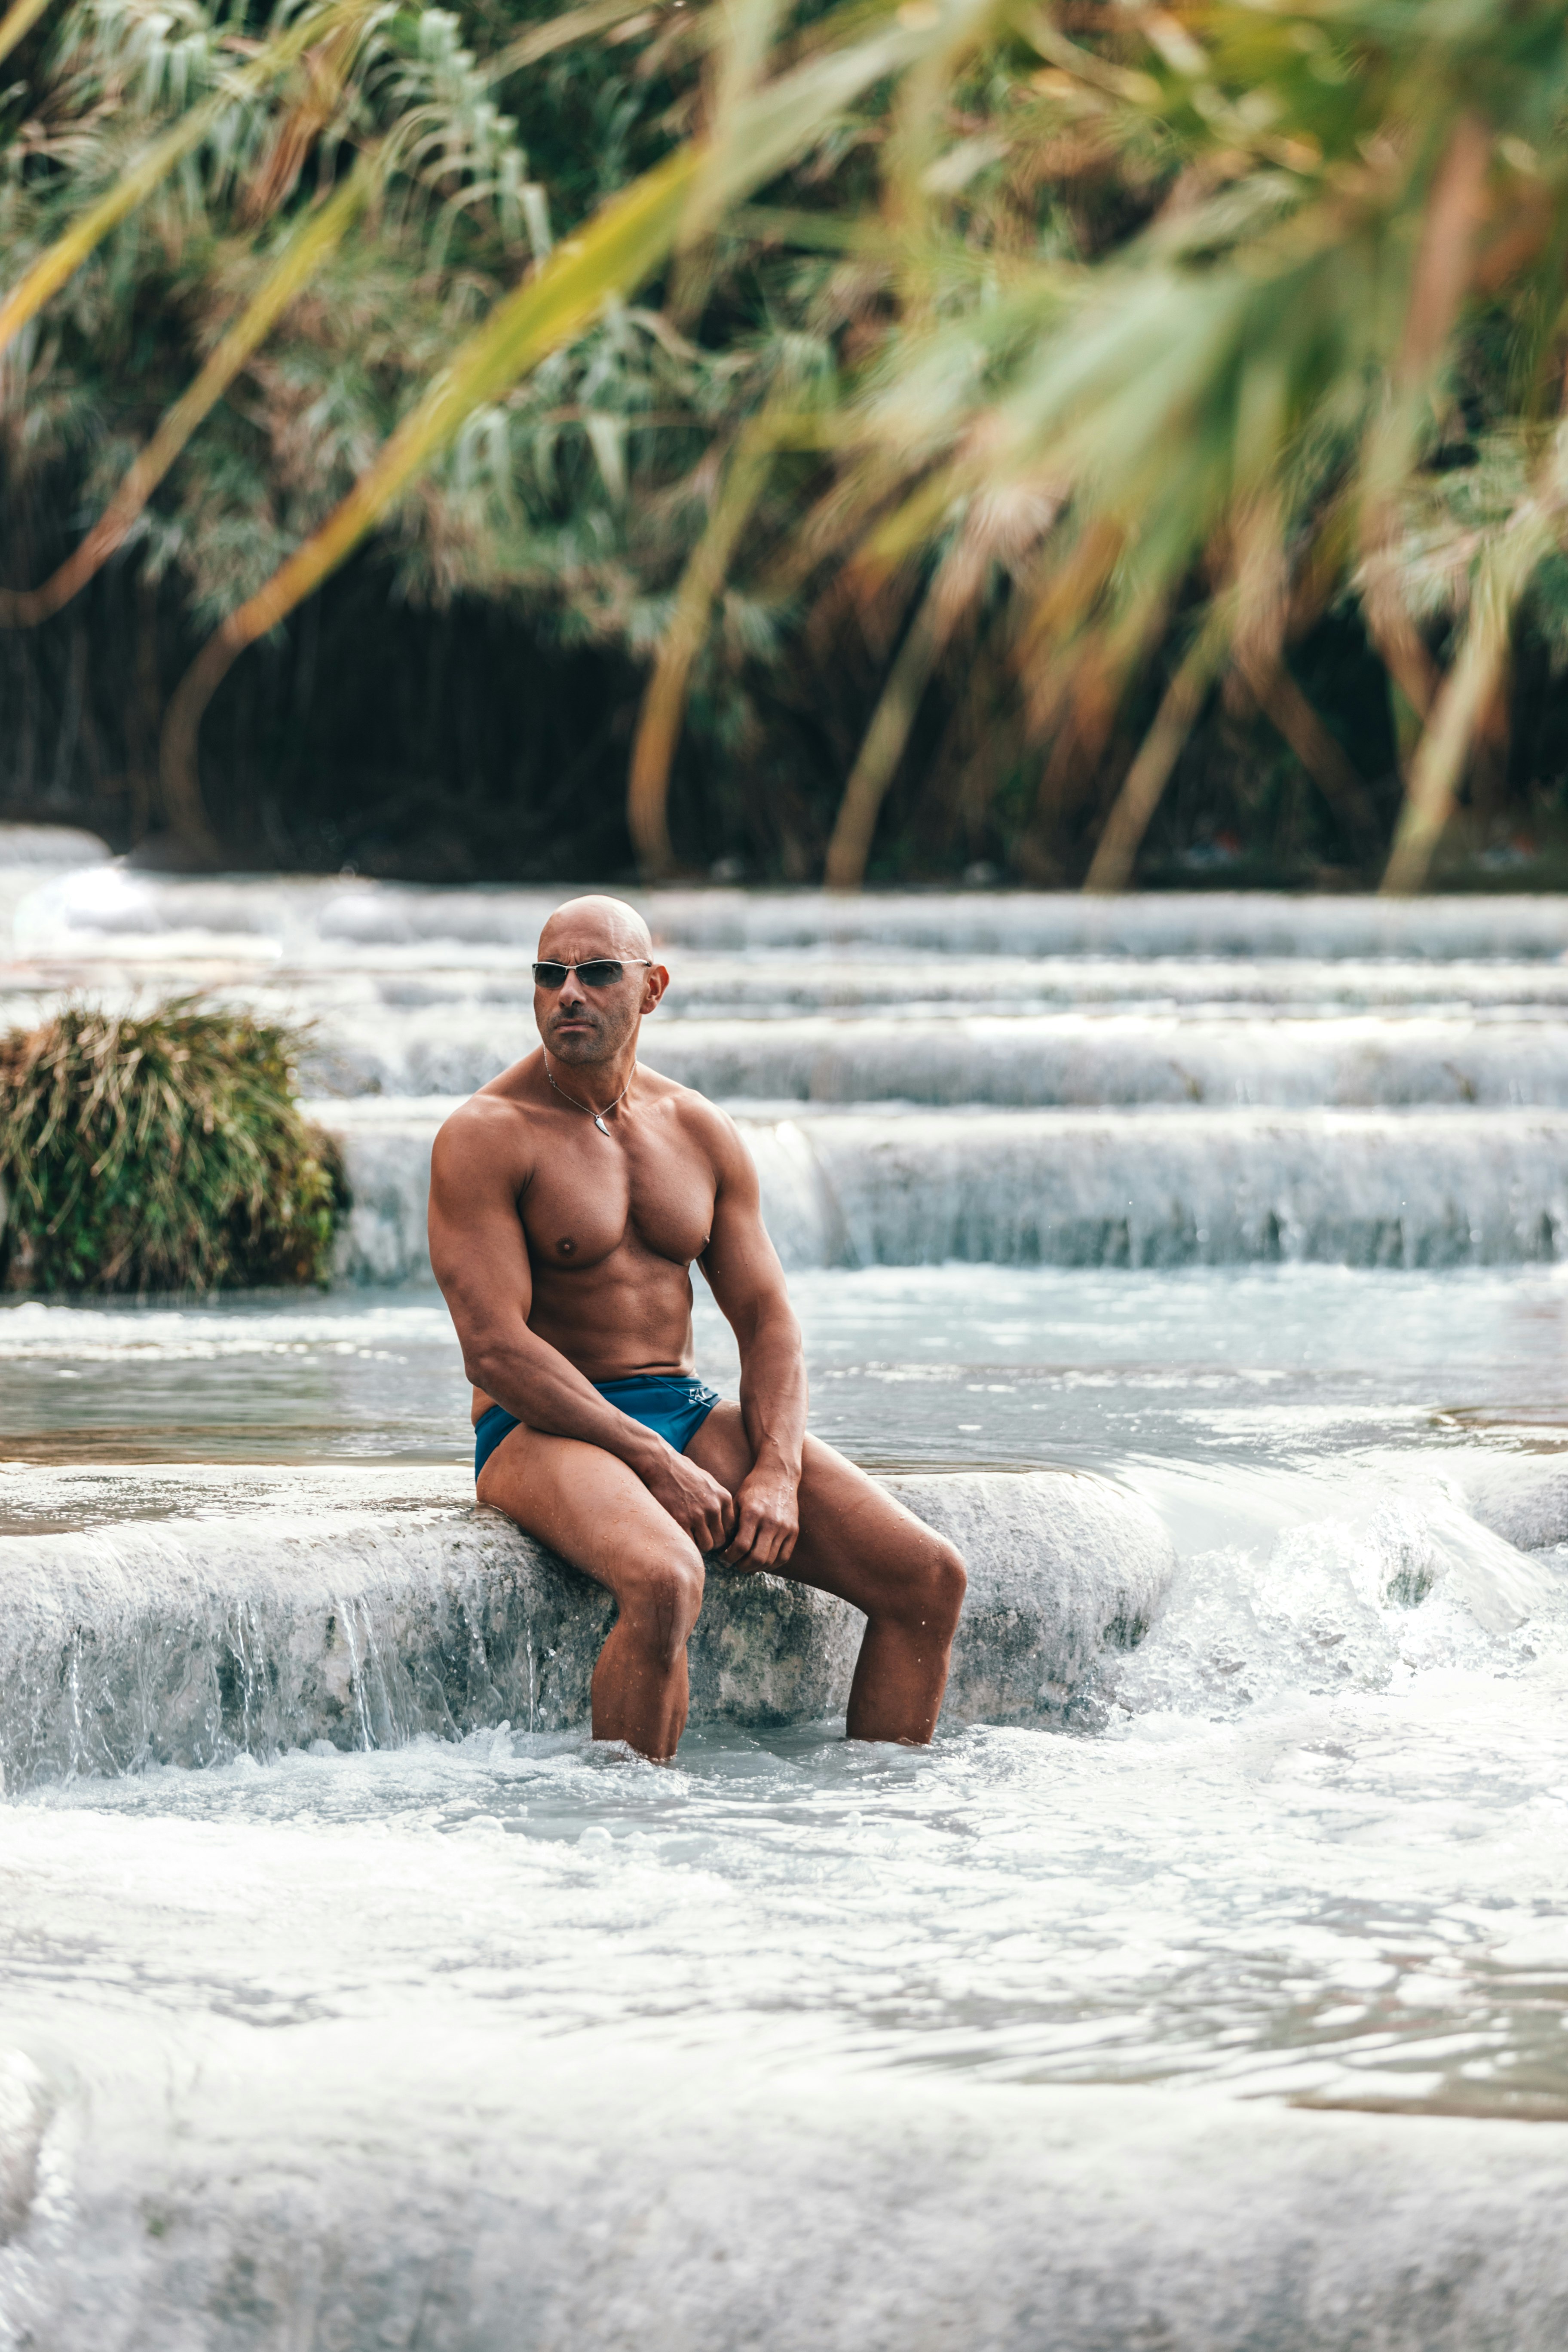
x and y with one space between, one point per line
586 1022
595 925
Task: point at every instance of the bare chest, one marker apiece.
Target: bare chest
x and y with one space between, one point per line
650 1193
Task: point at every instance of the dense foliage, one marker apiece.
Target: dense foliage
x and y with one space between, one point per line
1085 440
162 1150
479 672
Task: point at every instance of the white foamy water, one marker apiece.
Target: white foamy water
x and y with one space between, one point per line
425 2038
897 1184
101 906
1216 1999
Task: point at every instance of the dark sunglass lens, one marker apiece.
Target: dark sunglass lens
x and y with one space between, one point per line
599 975
551 975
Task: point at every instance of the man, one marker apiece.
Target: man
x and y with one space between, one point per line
568 1200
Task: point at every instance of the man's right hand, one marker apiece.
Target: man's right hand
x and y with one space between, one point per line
694 1500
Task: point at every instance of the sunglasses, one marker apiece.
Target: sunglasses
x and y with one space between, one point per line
602 972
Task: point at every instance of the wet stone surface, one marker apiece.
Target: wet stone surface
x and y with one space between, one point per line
367 1608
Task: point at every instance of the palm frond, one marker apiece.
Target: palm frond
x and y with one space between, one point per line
61 260
18 22
304 251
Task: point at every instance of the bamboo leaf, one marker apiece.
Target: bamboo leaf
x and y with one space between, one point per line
1161 748
1464 696
616 250
17 22
560 33
611 255
883 746
62 259
625 241
317 236
768 129
663 703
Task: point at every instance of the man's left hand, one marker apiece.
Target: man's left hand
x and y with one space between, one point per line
768 1521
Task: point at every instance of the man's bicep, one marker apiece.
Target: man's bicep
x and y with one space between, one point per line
739 1263
477 1252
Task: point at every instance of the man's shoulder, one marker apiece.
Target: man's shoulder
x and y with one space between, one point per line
496 1118
701 1118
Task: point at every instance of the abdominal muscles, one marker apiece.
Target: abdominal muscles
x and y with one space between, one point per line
629 1314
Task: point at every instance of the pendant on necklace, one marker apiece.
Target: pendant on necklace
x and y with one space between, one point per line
600 1124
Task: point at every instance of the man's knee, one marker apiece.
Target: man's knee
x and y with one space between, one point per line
949 1581
660 1593
930 1595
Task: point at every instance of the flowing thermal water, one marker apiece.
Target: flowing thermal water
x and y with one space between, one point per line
1202 1264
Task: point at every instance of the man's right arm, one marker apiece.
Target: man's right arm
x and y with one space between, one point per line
480 1260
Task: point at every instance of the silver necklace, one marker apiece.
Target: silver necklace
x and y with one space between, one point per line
598 1117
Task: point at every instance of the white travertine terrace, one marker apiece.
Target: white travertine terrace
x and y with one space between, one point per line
413 2019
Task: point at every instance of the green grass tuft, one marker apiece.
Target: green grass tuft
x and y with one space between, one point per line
162 1150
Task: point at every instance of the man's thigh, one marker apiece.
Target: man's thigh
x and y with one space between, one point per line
581 1501
855 1539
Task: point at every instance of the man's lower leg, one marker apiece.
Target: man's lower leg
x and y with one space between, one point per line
640 1694
900 1679
901 1672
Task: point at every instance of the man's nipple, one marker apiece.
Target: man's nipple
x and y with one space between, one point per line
566 1249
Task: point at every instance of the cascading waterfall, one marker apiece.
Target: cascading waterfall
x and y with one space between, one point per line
1213 1109
1194 1262
867 1187
105 905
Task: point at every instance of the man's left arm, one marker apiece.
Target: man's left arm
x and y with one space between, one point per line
742 1270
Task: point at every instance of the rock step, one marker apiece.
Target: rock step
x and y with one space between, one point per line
289 915
1524 1502
367 1041
1149 1187
1062 1060
1079 1060
193 1614
608 2194
410 1004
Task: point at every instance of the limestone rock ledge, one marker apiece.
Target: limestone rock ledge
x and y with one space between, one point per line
1525 1501
183 1615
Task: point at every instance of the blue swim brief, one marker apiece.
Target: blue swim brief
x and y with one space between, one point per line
673 1407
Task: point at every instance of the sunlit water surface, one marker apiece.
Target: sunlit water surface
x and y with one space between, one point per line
1308 1844
1315 1852
1355 1902
911 1366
